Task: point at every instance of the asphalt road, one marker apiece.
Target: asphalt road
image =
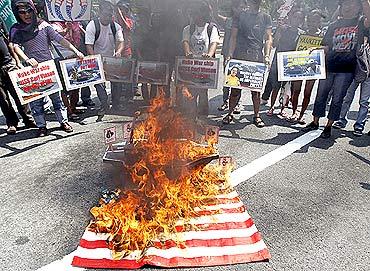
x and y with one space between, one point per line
313 208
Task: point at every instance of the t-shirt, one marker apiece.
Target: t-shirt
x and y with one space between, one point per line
251 30
227 37
5 57
38 47
199 40
343 38
105 44
288 39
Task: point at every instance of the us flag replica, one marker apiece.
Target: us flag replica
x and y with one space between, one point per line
182 211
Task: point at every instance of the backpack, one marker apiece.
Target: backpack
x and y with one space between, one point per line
209 30
97 29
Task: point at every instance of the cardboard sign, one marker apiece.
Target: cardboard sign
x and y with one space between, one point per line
35 83
6 14
301 65
119 69
197 73
245 75
69 10
212 134
82 73
110 135
306 42
225 161
127 130
155 73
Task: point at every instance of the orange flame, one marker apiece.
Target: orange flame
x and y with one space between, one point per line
186 93
167 189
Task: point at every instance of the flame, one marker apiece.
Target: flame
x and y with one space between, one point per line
168 190
186 93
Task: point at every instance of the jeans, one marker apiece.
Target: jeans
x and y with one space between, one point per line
37 108
339 82
103 96
364 104
225 94
85 94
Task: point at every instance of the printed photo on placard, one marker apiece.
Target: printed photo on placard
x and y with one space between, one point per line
301 65
306 42
68 10
127 130
119 69
110 135
225 161
197 73
155 73
79 73
245 75
35 83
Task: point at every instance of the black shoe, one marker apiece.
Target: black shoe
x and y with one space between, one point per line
30 124
88 103
42 132
311 127
326 133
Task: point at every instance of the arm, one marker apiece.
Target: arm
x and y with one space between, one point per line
234 34
186 41
90 49
212 49
366 11
268 45
119 49
31 61
15 56
186 47
65 43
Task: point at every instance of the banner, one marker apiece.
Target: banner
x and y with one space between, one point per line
69 10
197 73
155 73
296 66
35 83
245 75
81 73
119 69
306 42
6 14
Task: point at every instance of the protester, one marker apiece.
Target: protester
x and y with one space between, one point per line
200 39
35 35
251 34
8 64
71 32
285 39
341 42
359 126
105 37
314 19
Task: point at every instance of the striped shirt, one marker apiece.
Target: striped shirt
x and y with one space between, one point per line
38 47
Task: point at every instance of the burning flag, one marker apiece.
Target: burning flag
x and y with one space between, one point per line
183 211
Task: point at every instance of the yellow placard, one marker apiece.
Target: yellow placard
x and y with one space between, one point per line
305 42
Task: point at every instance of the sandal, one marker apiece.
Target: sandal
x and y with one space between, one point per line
258 122
283 114
227 119
270 113
293 118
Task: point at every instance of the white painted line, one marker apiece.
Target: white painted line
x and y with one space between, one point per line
237 177
248 171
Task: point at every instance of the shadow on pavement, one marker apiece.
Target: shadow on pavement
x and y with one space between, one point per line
363 159
365 186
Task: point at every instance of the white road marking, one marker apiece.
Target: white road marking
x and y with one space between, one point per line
237 177
248 171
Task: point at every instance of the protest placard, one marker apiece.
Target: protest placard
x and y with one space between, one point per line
306 42
35 83
110 135
70 10
197 73
127 130
225 161
155 73
301 65
78 73
212 134
119 69
6 14
245 75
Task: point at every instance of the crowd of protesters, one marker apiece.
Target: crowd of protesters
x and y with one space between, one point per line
160 33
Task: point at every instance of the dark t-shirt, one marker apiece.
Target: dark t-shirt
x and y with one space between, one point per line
5 57
226 42
251 30
343 38
288 39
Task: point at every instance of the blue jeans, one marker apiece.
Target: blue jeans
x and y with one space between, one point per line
339 82
364 104
37 109
103 96
85 94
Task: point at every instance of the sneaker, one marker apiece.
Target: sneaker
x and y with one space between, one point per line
237 109
311 127
42 132
12 130
223 107
339 125
326 133
88 103
258 122
66 127
358 132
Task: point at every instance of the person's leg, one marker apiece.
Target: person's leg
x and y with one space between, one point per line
60 109
103 98
256 99
347 102
225 98
203 107
116 95
296 90
234 99
37 109
66 102
364 106
73 99
274 95
86 96
306 99
7 108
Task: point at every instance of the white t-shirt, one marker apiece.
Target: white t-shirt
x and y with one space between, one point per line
105 44
199 41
